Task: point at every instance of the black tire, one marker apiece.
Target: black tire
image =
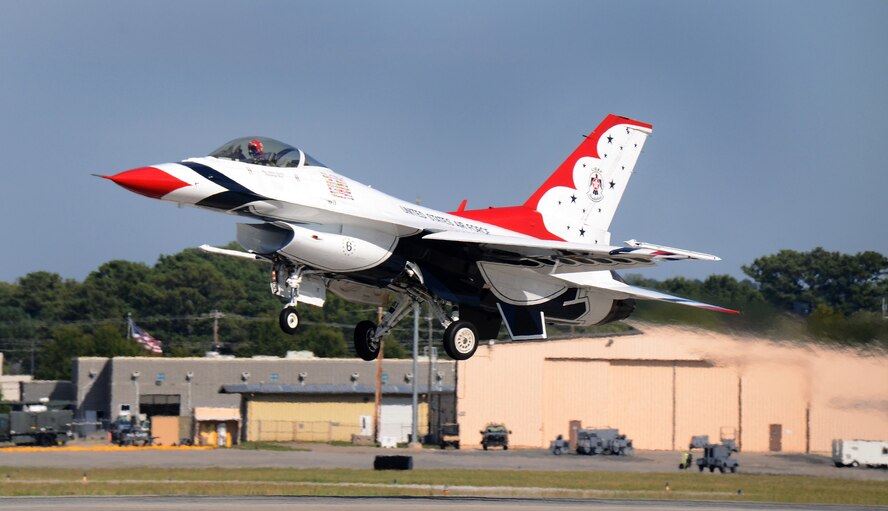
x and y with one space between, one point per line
840 465
484 446
289 320
366 345
711 469
733 470
457 446
701 467
721 469
505 447
460 340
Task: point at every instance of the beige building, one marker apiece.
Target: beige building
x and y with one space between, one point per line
664 385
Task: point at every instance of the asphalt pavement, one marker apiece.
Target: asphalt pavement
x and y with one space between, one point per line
328 456
263 503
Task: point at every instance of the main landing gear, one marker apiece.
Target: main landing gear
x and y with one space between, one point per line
460 337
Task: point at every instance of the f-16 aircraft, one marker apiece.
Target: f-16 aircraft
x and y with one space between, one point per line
547 261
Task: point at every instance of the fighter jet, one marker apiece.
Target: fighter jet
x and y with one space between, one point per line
547 261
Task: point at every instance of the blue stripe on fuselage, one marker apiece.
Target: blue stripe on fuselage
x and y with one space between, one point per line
237 195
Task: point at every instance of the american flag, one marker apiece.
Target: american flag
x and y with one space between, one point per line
144 338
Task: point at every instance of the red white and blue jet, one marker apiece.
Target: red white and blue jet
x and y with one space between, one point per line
547 261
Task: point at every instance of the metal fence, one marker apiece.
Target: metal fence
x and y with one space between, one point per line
316 431
300 431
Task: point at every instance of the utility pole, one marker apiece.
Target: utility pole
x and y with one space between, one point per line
414 438
430 368
378 397
216 315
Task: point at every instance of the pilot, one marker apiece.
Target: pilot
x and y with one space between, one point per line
255 149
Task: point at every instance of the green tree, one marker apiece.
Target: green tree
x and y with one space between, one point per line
54 360
844 283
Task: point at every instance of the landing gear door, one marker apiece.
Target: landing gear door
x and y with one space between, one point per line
312 291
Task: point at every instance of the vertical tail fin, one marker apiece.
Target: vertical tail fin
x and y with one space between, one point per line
579 199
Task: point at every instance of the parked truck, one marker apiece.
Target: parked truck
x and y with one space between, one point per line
714 456
36 424
449 436
603 441
854 453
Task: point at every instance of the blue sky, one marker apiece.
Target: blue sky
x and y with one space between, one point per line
769 117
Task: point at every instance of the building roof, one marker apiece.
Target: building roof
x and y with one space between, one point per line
264 388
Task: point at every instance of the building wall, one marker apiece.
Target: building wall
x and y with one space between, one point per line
774 394
53 390
574 390
105 384
640 402
667 384
317 418
501 386
706 403
849 399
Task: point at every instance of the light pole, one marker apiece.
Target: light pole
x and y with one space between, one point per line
414 439
135 377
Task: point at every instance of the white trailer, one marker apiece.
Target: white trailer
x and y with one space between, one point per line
853 453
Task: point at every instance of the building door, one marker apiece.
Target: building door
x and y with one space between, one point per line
775 437
159 404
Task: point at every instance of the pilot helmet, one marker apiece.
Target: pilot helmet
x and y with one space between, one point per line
255 147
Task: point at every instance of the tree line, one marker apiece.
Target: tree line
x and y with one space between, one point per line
46 320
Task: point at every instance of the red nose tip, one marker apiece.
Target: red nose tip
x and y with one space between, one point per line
148 181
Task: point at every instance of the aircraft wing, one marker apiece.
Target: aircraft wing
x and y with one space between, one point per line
507 248
616 289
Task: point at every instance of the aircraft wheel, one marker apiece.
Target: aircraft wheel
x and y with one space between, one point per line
460 340
289 320
366 344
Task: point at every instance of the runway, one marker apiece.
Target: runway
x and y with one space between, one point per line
262 503
327 456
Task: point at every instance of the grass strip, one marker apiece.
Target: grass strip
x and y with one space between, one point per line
277 481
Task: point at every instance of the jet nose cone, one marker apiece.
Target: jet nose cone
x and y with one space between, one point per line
148 181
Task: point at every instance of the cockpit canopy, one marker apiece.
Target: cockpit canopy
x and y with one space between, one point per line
264 151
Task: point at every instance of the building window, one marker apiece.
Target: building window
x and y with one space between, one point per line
275 377
160 377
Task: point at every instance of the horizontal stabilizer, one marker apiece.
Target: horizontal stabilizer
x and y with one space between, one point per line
668 252
603 282
573 253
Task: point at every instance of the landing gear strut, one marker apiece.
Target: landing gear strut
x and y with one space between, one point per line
460 337
285 280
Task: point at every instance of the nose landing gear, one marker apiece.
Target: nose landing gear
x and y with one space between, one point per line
289 319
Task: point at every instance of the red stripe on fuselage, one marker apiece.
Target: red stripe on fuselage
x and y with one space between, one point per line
516 218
